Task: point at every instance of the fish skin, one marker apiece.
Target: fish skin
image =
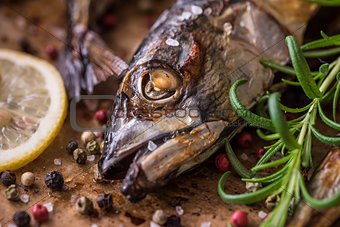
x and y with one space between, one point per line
208 59
324 184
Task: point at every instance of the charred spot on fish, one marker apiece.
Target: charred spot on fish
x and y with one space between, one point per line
192 65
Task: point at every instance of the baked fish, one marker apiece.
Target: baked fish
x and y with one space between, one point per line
172 110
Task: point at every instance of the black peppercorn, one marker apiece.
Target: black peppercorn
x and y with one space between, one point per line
21 218
80 156
105 201
71 146
173 221
8 178
54 180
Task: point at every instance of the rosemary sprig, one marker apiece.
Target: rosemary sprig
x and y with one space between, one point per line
293 138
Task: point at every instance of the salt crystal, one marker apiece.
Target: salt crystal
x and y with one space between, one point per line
244 157
196 10
262 214
74 198
91 158
153 224
179 210
185 16
12 225
172 42
94 225
25 198
207 11
228 28
49 207
206 224
57 162
152 146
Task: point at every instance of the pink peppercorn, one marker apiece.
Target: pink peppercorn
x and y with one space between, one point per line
101 116
222 162
39 212
260 152
239 218
51 51
244 139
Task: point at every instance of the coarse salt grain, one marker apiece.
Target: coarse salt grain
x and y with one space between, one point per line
153 224
172 42
185 16
179 210
91 158
207 11
196 10
152 146
57 162
206 224
228 28
94 225
262 214
24 198
49 207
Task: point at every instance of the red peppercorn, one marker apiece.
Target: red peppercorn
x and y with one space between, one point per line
39 212
109 21
260 152
239 218
222 162
51 51
289 116
101 116
244 139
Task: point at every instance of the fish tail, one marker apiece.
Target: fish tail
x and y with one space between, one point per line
85 59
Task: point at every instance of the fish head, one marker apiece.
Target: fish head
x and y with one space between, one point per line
156 103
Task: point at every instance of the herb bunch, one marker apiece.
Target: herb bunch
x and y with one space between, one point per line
293 138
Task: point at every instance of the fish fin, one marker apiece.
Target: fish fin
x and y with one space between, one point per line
85 60
293 15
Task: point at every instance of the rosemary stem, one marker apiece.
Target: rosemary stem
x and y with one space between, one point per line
305 124
330 77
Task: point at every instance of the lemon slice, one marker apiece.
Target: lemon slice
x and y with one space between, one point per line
33 106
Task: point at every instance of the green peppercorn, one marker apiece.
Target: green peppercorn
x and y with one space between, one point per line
93 147
12 193
80 156
97 176
8 178
84 205
105 201
21 218
71 146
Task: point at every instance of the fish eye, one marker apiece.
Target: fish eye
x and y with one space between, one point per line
160 85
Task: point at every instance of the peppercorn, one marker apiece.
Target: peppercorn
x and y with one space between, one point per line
260 152
8 178
80 156
105 201
93 147
101 116
244 139
222 162
54 180
84 205
87 137
272 201
71 146
173 221
159 217
21 218
253 186
27 179
39 212
97 176
12 192
239 218
51 51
